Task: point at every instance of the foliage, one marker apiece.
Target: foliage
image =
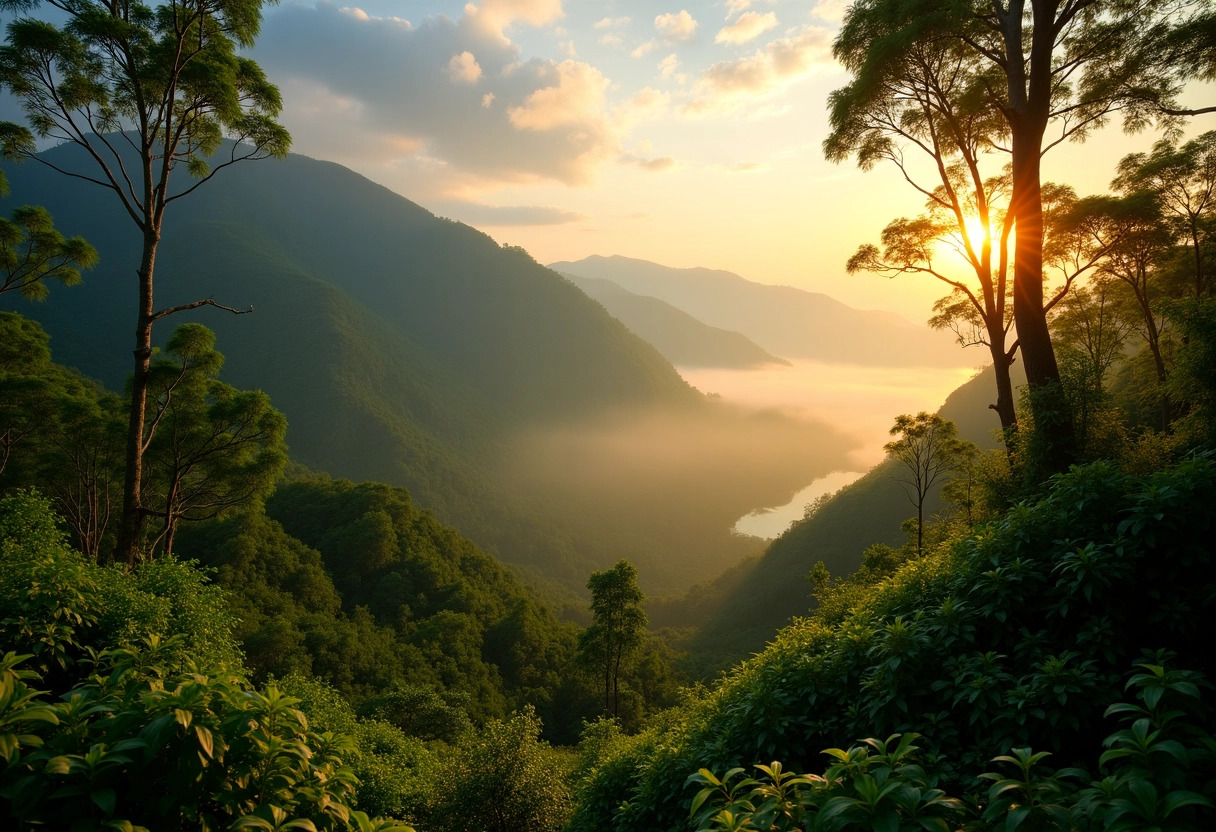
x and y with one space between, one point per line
143 91
1023 627
618 625
153 726
33 251
502 778
929 449
1155 768
215 449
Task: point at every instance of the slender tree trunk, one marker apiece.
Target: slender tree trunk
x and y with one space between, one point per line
131 530
1004 407
608 682
1029 105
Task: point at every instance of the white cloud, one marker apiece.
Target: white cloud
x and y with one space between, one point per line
831 11
566 47
523 121
496 15
676 27
726 85
749 26
669 65
615 41
733 7
463 68
611 23
577 97
644 49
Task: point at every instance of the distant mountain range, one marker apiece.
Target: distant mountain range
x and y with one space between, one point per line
789 322
414 350
682 339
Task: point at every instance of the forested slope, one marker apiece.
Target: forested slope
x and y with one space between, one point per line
413 350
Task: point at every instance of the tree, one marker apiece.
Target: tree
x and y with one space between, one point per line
32 252
929 449
1183 180
1067 65
918 102
140 90
214 447
618 626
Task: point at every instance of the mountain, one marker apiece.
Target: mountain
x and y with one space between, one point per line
681 338
413 350
783 320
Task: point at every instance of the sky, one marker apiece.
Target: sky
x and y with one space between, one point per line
687 134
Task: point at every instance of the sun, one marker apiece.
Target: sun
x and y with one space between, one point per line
977 232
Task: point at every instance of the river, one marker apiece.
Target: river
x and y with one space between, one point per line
861 401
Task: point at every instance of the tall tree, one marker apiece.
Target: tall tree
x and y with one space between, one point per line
618 626
140 90
918 104
1051 71
929 449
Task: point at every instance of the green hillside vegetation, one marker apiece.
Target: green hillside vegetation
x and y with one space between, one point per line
741 612
789 322
681 338
1018 635
408 349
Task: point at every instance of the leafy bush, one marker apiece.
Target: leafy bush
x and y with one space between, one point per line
1016 636
1155 770
502 778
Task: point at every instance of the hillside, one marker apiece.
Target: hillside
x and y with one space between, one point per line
786 321
750 611
681 338
413 350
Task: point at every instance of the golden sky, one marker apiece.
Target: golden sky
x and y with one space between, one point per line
687 135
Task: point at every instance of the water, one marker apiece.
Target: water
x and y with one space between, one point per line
860 401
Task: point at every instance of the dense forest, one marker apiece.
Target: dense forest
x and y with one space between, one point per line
1004 625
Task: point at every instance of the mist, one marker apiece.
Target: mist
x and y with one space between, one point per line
672 482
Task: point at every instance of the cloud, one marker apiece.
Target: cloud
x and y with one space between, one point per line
566 47
831 11
578 96
390 105
611 23
463 68
615 41
733 7
656 165
669 65
480 214
676 27
748 27
496 15
644 49
726 85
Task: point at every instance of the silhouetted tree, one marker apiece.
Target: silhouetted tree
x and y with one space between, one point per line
1021 68
929 448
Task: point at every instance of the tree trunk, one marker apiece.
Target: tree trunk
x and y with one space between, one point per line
130 533
1029 106
1004 406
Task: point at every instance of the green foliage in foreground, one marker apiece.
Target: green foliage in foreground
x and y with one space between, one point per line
1015 636
1153 772
127 707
